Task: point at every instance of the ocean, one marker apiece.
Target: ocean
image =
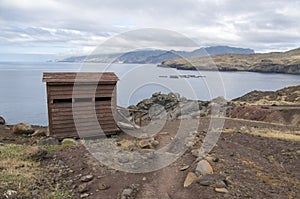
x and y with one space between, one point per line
23 94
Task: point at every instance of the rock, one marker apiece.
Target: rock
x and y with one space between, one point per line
123 159
69 141
145 144
204 168
10 194
148 143
2 120
190 144
132 107
221 190
83 188
211 159
195 152
38 133
211 179
36 153
49 141
130 192
123 125
220 184
155 143
184 168
167 196
84 195
127 192
145 104
86 178
190 178
22 128
103 186
144 179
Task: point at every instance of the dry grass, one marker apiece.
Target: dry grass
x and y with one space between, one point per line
20 173
284 135
269 133
17 172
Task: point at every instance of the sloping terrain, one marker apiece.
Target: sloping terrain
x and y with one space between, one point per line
275 62
285 96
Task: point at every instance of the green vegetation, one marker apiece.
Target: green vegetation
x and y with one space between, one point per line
20 173
54 148
59 195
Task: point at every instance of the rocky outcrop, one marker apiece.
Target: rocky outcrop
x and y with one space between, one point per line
172 106
2 120
278 107
279 62
286 96
22 128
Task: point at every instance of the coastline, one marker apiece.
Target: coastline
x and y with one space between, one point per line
258 147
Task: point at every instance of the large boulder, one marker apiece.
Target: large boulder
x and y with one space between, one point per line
172 106
167 100
2 120
145 104
23 128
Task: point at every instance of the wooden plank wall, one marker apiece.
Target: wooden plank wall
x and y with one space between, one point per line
89 105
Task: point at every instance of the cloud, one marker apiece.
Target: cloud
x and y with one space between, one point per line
72 26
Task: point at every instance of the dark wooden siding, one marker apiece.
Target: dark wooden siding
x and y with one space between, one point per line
88 104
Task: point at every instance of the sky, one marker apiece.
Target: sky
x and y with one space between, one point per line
50 29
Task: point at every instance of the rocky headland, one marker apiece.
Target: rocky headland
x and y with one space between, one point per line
280 106
274 62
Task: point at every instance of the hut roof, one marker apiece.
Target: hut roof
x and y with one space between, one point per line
79 77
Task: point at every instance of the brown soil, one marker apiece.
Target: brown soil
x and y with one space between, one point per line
286 96
243 158
288 115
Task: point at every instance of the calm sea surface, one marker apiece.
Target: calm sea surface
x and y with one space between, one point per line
23 95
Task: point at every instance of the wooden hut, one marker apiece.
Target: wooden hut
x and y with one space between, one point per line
81 104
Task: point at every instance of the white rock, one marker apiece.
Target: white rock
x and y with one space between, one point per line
204 167
190 178
221 190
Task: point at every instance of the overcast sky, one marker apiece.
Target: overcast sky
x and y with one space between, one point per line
73 27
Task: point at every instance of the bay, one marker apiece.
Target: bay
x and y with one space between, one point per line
23 94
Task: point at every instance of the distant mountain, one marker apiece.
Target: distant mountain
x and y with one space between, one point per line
275 62
157 56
